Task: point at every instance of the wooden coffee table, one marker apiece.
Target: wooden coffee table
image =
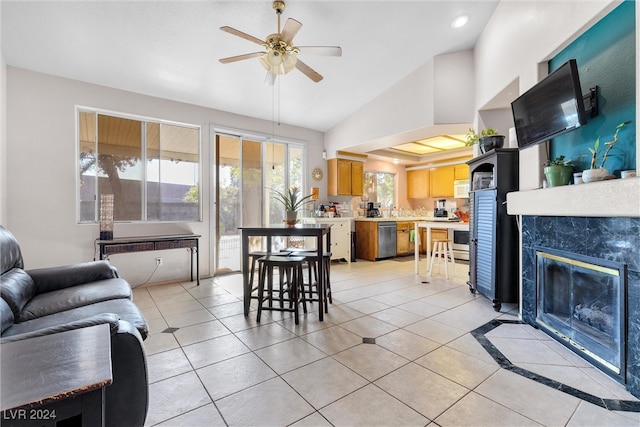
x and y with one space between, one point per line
55 377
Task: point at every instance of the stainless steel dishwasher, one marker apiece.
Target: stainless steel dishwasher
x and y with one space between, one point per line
387 239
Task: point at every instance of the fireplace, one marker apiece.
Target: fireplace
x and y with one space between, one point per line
581 302
609 242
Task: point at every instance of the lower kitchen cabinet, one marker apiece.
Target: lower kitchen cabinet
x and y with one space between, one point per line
340 236
436 234
375 239
404 245
367 240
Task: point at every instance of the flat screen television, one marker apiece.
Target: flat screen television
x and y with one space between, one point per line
550 108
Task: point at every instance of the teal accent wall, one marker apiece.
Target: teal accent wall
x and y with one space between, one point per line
606 56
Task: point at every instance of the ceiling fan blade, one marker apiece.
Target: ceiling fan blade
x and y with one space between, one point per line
242 35
308 71
321 50
240 57
291 28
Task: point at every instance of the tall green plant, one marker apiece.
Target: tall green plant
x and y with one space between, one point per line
291 199
595 151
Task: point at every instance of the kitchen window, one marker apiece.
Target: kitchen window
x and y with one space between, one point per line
151 167
380 187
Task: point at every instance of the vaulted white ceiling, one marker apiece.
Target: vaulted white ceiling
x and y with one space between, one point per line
170 49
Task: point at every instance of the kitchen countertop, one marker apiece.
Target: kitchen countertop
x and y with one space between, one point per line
407 218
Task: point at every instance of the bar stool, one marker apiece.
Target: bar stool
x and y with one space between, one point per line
311 257
253 259
443 249
291 283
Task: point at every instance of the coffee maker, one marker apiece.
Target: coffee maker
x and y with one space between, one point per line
440 211
372 210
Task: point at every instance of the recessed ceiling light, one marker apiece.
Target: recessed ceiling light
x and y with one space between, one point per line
460 21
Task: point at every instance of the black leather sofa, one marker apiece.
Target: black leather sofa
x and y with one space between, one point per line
51 300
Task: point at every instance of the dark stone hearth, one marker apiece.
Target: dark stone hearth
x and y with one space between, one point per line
611 404
613 239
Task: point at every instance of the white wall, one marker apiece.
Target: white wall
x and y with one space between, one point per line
515 46
453 88
519 36
42 172
433 100
3 134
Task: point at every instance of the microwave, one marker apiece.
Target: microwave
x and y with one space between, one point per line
461 189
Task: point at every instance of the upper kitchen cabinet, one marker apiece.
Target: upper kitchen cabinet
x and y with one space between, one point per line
442 181
461 172
418 184
345 177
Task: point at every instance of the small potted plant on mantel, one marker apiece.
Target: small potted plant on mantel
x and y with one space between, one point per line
292 202
487 140
599 172
558 172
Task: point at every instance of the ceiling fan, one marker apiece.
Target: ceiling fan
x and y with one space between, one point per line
280 55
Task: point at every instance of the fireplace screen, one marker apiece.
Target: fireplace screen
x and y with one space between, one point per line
580 301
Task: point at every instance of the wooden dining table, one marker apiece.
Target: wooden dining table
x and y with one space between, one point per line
319 231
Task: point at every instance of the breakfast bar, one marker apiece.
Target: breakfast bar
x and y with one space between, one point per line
429 225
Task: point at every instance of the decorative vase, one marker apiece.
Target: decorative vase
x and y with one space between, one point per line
292 218
593 175
488 143
106 217
558 175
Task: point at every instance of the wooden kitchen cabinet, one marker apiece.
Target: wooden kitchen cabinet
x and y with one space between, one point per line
436 233
404 245
439 234
357 178
367 240
418 184
461 172
345 177
441 180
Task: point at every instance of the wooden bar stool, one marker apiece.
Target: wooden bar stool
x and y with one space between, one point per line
311 257
443 249
253 259
290 283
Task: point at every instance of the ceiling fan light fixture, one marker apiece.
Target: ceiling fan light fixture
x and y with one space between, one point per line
278 61
289 61
281 55
274 58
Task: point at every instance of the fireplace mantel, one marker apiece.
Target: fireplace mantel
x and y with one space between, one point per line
613 198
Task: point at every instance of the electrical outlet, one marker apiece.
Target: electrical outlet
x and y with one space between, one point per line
159 261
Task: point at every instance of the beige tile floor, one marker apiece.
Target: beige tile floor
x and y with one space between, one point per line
222 368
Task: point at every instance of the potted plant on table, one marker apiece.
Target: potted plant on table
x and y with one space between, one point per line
599 172
292 202
487 140
558 172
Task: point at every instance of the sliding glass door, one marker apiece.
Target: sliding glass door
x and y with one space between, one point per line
245 171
